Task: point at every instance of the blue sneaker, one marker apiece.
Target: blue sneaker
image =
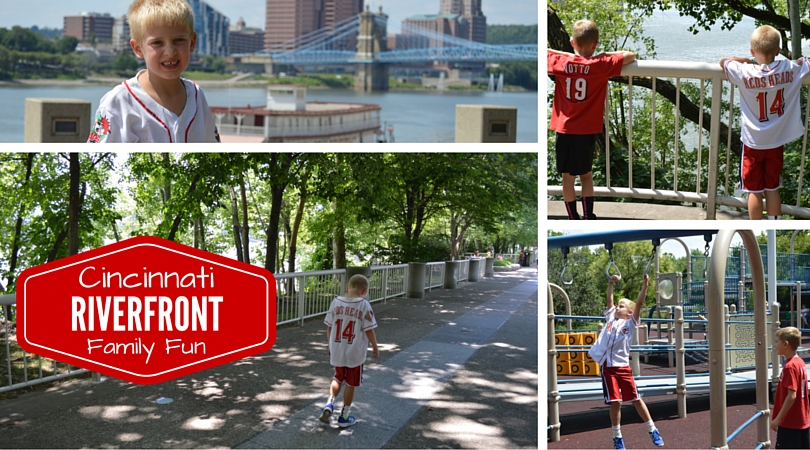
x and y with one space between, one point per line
326 413
618 443
346 421
656 438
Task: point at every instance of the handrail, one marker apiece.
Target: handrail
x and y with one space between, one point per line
743 426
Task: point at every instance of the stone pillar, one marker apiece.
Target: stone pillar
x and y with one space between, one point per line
450 274
486 123
475 267
351 271
57 120
372 38
489 269
416 280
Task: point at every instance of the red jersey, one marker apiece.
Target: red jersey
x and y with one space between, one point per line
580 90
793 377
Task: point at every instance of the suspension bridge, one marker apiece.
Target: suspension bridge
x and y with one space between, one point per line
362 40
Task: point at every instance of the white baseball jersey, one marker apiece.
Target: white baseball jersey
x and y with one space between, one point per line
349 318
770 101
128 114
612 347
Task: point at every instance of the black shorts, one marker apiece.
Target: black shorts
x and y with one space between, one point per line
792 438
575 153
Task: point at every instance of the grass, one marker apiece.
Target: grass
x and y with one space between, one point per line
337 81
203 76
502 263
393 83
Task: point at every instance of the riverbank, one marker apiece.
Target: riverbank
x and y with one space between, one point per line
238 81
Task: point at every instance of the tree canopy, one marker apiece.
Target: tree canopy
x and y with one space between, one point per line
283 211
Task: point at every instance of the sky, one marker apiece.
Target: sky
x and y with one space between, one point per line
50 13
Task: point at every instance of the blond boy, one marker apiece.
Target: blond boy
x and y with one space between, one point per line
612 352
791 411
353 323
577 112
770 117
157 105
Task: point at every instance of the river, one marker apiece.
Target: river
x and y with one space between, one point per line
417 116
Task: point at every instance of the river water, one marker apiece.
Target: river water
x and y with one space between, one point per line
417 116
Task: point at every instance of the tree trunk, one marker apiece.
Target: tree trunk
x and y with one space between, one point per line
299 214
338 240
73 205
245 228
179 217
276 197
197 232
15 246
237 234
166 191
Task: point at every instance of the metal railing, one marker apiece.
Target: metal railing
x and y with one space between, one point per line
299 296
434 275
712 188
463 270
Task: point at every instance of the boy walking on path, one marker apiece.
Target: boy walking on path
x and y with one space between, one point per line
577 113
770 117
351 324
612 352
791 410
157 105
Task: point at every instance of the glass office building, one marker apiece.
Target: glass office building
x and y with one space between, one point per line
211 27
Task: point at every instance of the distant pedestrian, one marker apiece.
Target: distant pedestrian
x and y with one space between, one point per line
156 105
577 113
353 323
612 352
791 411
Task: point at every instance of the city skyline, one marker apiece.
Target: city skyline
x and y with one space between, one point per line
50 13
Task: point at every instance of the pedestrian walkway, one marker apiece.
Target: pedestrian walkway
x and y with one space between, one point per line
458 368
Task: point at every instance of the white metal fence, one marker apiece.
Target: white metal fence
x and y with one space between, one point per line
299 296
712 188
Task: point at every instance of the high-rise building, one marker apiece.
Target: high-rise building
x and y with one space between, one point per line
85 24
121 35
244 39
211 27
286 20
471 10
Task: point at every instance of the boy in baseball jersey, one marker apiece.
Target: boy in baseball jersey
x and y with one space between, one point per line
157 105
612 352
351 325
770 117
577 113
791 410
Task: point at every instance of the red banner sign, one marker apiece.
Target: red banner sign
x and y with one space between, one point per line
146 310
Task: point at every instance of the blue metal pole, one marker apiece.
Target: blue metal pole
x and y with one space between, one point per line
605 237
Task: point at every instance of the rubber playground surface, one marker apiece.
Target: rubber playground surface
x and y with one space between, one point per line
586 424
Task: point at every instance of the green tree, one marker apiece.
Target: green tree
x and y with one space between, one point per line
511 34
6 61
66 44
125 62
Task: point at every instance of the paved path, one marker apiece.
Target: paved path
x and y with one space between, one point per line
642 211
458 368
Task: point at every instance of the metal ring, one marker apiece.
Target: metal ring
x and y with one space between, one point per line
607 271
562 274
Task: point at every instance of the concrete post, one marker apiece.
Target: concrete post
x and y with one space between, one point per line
416 280
486 123
474 269
489 269
57 120
450 274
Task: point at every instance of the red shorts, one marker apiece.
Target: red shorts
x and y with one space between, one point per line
353 376
761 170
618 384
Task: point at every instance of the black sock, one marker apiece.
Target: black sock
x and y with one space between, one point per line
587 208
571 207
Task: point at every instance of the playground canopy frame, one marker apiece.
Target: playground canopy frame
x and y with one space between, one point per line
714 304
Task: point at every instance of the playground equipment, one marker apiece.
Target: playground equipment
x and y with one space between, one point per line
718 380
